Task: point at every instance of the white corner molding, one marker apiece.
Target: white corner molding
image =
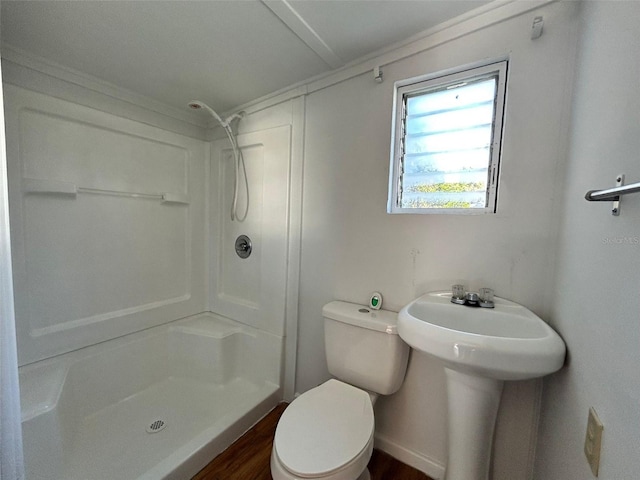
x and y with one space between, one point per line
49 68
465 24
294 246
294 21
480 18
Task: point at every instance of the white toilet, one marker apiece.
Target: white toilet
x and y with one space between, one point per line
327 432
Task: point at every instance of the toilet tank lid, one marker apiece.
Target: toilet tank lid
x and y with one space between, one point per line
362 316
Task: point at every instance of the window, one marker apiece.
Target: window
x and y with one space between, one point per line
446 142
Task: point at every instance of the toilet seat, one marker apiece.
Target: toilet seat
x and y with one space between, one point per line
325 431
356 470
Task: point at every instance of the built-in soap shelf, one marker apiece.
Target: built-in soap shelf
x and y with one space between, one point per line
56 187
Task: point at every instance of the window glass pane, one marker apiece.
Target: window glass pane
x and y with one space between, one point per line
446 162
447 135
463 94
451 141
445 190
448 131
464 118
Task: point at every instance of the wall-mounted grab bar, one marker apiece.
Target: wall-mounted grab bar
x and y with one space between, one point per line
56 187
613 194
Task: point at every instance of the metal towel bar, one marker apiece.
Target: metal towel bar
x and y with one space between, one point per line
613 194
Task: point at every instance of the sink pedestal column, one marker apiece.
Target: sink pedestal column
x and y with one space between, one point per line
473 406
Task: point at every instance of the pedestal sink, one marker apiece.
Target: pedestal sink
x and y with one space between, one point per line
480 348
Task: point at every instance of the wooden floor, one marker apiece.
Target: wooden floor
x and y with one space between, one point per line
248 458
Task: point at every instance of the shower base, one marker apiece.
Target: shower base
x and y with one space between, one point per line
158 404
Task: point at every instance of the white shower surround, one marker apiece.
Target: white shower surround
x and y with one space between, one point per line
88 398
85 413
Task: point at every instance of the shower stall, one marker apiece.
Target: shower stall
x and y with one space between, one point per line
146 345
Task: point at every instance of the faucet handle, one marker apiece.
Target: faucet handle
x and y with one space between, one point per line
486 298
457 291
457 294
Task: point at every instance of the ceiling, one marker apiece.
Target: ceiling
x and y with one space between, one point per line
225 53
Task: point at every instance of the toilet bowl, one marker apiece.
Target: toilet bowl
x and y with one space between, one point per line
327 432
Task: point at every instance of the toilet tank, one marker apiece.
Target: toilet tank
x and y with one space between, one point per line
363 347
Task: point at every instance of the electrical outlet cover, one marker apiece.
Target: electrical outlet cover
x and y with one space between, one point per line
593 441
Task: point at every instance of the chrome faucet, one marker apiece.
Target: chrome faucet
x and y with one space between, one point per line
472 299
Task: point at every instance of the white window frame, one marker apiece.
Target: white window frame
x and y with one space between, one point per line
413 86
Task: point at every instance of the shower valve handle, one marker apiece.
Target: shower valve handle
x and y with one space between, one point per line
243 246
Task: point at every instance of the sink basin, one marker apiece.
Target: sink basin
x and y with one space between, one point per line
508 342
480 348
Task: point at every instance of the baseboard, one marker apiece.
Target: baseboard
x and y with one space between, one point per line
414 459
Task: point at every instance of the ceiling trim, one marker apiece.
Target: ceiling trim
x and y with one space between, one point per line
469 22
294 21
465 24
56 70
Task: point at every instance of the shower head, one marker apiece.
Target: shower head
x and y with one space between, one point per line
197 105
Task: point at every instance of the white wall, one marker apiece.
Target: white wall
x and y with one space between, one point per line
351 246
597 300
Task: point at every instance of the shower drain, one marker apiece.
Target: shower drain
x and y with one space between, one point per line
156 426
